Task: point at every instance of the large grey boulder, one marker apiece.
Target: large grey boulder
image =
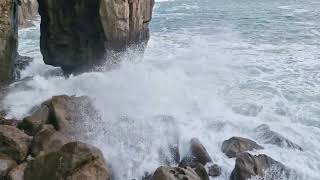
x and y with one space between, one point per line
8 39
76 34
248 166
266 135
236 145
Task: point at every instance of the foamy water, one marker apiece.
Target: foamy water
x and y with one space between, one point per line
215 69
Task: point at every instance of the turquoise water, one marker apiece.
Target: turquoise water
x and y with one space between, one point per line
220 68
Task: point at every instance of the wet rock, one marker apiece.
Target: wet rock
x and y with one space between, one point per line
14 142
9 122
32 124
194 163
8 39
214 170
17 173
175 173
198 151
271 137
27 10
248 165
21 63
48 140
78 34
73 161
236 145
6 164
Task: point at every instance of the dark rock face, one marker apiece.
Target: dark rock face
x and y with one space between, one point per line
236 145
198 151
8 39
248 165
175 173
75 34
271 137
73 161
214 170
14 142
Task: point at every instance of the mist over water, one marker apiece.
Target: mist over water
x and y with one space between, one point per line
212 70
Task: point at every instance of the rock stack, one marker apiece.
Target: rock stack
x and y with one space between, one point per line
27 10
8 39
77 34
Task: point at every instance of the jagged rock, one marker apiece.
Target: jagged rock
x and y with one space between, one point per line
271 137
32 124
194 163
6 164
14 142
8 39
248 165
236 145
48 140
175 173
21 63
17 173
27 10
73 161
9 122
198 151
214 170
77 34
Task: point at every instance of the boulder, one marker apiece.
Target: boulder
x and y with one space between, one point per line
271 137
48 140
175 173
17 173
193 162
32 124
237 145
6 164
79 34
14 142
8 39
248 166
214 170
73 161
198 151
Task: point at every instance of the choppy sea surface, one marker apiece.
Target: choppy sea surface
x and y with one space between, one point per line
215 68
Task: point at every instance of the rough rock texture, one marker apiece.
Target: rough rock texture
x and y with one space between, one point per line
14 142
48 140
73 161
175 173
248 165
27 10
198 151
236 145
63 112
8 39
32 124
76 34
214 170
6 164
17 173
270 137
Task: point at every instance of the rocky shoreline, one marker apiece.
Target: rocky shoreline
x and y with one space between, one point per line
44 145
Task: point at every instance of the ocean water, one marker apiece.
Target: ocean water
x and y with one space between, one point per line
213 69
